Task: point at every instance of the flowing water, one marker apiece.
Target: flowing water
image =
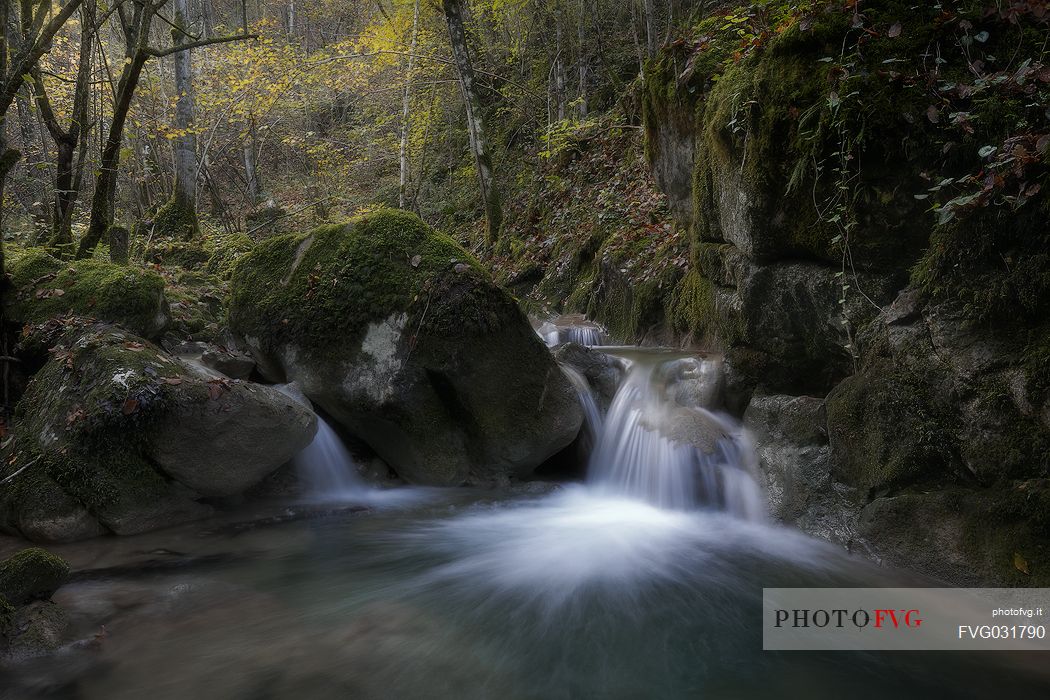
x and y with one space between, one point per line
644 582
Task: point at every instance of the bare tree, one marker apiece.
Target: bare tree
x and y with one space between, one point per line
405 109
135 26
490 197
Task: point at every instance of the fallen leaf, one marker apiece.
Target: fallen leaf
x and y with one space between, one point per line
173 380
1020 563
130 406
133 346
895 30
416 259
933 115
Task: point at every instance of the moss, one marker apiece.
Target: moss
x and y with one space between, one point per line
228 250
85 417
7 612
31 574
174 253
323 288
892 428
993 260
47 288
175 221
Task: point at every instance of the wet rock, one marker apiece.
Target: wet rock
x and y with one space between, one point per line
36 629
693 382
603 372
233 364
113 434
431 364
790 437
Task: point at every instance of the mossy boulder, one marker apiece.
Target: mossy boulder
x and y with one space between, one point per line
114 435
188 255
228 250
175 220
31 574
398 333
46 287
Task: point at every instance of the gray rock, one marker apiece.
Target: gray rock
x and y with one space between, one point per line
790 439
603 372
431 364
234 365
153 433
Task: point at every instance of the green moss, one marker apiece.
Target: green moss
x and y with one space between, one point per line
992 260
86 417
228 250
174 253
175 221
324 287
892 428
47 288
31 574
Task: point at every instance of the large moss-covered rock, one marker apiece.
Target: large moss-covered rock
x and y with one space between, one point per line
112 434
46 287
398 333
31 574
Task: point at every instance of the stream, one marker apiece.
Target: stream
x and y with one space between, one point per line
645 581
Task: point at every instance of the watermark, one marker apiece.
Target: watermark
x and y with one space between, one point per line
951 619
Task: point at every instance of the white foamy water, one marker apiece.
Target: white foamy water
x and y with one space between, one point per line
669 454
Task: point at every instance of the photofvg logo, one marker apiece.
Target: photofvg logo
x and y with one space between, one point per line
905 618
822 617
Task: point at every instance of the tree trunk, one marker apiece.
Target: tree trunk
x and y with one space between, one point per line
251 172
405 106
184 197
581 37
102 203
475 121
559 60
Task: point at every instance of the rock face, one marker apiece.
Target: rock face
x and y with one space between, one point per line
891 364
46 287
114 435
399 335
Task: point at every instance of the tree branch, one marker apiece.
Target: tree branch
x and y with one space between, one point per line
161 53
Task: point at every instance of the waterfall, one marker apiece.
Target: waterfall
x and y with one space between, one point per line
592 415
325 465
657 445
572 329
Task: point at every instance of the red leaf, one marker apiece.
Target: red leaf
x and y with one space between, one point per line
130 406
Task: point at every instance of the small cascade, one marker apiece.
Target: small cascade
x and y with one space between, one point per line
592 415
572 329
325 465
656 445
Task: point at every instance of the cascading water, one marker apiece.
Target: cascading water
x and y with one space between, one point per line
572 329
327 467
658 444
